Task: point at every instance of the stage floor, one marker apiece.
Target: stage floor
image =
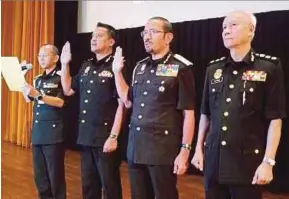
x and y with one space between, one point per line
17 177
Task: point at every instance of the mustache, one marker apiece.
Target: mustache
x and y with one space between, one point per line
148 42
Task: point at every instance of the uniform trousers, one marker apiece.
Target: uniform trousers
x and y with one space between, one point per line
222 191
152 181
100 174
49 172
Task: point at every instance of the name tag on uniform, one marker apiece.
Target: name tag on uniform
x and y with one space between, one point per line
167 70
105 73
40 102
251 75
50 85
216 81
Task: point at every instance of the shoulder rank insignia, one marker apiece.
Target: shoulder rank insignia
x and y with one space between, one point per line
268 57
217 60
183 60
167 70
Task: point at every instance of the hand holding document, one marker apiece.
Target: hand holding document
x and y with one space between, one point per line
14 76
12 73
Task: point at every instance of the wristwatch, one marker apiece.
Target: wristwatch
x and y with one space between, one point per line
38 97
113 136
269 161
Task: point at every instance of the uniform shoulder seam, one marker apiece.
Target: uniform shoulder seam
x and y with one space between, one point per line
142 60
37 76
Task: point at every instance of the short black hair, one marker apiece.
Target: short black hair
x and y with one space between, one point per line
110 29
168 27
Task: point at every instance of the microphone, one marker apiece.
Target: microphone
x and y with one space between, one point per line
26 67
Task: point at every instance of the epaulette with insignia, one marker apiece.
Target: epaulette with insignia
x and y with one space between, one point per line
183 60
267 57
217 60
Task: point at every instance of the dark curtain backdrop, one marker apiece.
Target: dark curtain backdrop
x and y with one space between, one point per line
199 41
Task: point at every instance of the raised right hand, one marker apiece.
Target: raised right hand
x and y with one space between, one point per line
65 57
118 61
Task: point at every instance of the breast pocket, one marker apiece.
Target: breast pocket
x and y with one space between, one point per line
137 84
215 94
103 88
251 94
163 88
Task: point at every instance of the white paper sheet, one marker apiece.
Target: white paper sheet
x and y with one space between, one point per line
11 71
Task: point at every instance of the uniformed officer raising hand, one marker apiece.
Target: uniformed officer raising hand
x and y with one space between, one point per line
117 66
66 57
162 97
100 115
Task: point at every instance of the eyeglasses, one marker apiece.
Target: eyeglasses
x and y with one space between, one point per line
97 35
44 55
151 32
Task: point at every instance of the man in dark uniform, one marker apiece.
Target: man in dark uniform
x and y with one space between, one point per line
100 116
242 107
162 97
47 130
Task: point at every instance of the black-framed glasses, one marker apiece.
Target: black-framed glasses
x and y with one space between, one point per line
151 32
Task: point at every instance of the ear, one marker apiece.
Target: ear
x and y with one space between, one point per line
169 37
111 42
56 58
251 30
